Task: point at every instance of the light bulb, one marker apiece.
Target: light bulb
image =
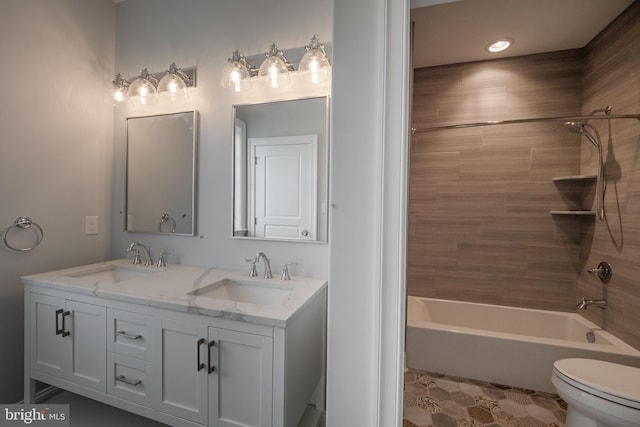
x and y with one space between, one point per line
273 76
313 67
118 95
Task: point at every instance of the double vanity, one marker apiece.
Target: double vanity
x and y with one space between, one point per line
184 345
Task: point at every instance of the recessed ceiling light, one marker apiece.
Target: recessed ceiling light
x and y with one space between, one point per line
499 45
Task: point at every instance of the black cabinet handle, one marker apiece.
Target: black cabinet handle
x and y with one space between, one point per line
199 366
59 330
212 369
65 333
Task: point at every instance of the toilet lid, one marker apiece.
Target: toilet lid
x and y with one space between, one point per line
618 383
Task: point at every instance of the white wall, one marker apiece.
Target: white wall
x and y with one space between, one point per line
203 33
55 147
364 256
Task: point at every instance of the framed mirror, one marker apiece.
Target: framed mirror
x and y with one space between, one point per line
281 170
161 173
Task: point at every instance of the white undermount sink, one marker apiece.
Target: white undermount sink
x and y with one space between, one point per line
249 291
110 274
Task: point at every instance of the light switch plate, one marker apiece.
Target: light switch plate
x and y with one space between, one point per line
90 225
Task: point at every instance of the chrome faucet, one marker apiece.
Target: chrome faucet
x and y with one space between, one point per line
267 265
146 251
584 303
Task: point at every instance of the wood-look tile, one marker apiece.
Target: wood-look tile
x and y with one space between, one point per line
559 294
513 164
547 163
529 228
491 256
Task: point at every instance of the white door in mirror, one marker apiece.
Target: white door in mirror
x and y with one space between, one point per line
283 187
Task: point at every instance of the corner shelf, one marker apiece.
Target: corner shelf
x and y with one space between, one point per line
579 213
577 180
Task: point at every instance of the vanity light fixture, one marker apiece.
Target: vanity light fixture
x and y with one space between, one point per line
236 75
143 88
500 45
275 68
120 86
175 82
315 61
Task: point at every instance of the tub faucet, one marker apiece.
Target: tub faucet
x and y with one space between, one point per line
146 251
584 303
267 265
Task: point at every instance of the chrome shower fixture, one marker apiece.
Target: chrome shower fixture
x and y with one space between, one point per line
582 128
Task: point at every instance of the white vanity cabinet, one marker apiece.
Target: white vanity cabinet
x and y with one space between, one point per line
68 340
178 367
220 377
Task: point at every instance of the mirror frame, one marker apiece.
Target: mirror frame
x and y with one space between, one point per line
194 175
324 155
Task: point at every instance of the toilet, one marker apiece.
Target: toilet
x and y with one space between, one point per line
598 393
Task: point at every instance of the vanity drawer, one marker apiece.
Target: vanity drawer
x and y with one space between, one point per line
128 378
130 334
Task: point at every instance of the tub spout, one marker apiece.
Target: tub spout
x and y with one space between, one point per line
584 303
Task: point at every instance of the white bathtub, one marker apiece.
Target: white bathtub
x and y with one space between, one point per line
504 345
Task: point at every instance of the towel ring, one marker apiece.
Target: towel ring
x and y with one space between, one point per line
166 218
22 222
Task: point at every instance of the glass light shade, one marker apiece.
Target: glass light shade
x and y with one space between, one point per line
316 65
142 90
274 70
119 94
119 90
173 85
236 77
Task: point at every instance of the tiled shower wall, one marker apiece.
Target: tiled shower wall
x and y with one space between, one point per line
612 77
479 222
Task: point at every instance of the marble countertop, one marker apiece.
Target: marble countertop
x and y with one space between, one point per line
173 287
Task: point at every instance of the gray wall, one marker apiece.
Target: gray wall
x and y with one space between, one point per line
56 144
204 35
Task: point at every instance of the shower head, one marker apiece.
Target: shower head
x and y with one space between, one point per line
579 128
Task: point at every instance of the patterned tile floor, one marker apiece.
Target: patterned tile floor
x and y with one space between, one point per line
434 400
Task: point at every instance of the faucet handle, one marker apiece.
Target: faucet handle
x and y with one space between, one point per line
253 271
285 271
161 261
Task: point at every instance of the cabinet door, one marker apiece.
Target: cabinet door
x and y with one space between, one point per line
68 340
88 357
49 350
241 388
183 388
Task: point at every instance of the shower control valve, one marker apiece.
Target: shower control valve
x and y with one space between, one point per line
604 271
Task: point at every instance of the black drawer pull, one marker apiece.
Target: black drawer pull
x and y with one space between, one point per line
199 365
212 369
64 332
59 330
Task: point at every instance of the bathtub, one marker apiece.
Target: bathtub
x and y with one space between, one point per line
504 345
